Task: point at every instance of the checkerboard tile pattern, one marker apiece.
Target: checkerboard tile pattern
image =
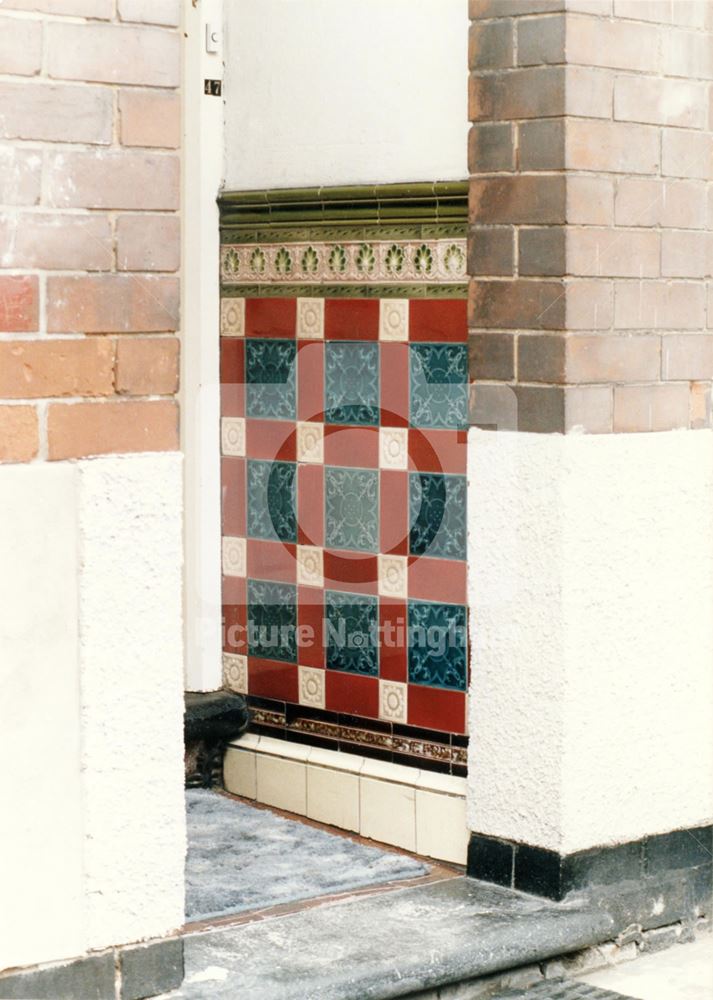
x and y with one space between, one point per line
344 505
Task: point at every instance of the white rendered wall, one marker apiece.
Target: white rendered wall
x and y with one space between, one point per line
41 826
92 822
591 584
321 92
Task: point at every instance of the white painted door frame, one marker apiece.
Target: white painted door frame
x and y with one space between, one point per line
200 348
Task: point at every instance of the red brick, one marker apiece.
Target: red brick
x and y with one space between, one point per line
56 241
685 254
662 305
31 369
631 253
20 46
147 366
533 305
19 438
651 407
166 12
98 9
56 112
19 304
603 358
126 179
660 102
78 430
150 118
615 44
615 147
20 176
518 199
148 242
112 304
114 54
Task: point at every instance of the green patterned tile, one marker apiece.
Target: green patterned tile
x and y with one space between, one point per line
272 620
351 383
437 506
272 501
352 638
439 385
270 377
352 509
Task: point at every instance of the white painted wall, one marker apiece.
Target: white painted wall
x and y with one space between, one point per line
591 582
41 824
321 92
92 825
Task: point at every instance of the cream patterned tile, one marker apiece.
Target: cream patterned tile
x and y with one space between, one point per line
310 442
310 319
393 576
441 828
311 686
310 565
235 672
232 317
234 556
239 772
282 783
393 701
393 319
232 436
333 797
393 448
387 813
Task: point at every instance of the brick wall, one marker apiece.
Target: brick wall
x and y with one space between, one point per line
89 227
591 208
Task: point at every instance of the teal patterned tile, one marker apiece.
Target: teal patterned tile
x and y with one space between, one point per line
272 620
272 501
351 383
437 515
439 385
270 378
352 509
437 645
352 637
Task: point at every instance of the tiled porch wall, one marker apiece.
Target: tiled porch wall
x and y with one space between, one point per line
344 491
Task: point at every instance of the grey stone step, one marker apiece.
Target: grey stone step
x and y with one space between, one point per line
561 990
393 944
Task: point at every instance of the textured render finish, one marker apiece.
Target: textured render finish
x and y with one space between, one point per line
42 912
402 75
132 749
592 634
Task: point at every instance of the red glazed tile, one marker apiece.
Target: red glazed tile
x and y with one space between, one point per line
310 381
310 504
353 572
234 615
272 679
393 522
352 695
232 377
394 385
436 708
393 648
438 320
272 561
351 319
438 451
233 496
310 631
271 317
441 580
351 446
271 439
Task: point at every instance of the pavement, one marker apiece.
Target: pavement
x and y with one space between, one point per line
682 972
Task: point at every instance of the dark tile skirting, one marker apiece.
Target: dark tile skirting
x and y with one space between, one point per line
546 873
142 971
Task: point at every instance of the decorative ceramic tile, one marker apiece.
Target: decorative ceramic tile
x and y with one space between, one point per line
270 376
352 509
310 442
393 576
232 435
310 319
393 319
235 672
413 262
439 389
234 556
232 317
438 523
311 686
272 620
393 448
272 502
437 645
310 565
351 633
393 703
351 381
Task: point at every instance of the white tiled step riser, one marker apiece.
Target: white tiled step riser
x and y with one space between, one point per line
334 789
